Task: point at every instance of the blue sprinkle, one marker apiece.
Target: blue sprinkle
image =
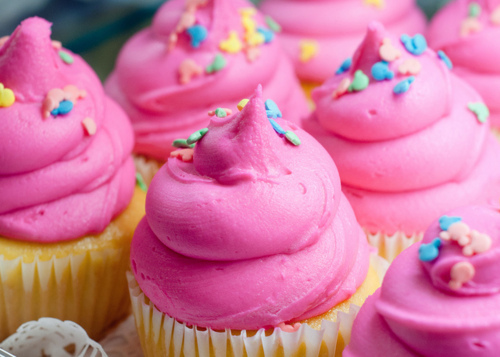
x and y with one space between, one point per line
272 109
429 252
268 34
446 60
277 127
64 108
445 222
404 86
381 71
198 34
416 45
345 66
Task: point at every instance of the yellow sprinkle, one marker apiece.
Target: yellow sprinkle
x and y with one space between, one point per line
242 104
7 97
254 39
248 24
308 50
247 11
377 3
232 44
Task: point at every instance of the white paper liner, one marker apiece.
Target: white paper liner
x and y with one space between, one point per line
123 340
161 332
146 167
52 337
390 246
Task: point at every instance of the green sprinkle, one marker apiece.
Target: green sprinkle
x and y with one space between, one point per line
360 82
220 113
292 137
181 143
481 110
273 25
218 63
474 9
140 182
197 135
66 57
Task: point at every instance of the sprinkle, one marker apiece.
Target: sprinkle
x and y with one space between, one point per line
64 107
495 16
429 252
56 45
3 40
292 137
217 64
252 53
360 82
56 95
481 110
308 50
249 24
381 71
198 34
242 104
342 88
140 182
66 57
469 26
187 20
416 45
277 127
194 4
90 126
232 44
388 52
344 67
220 113
445 222
404 86
197 135
254 39
185 155
268 35
181 143
460 274
273 25
459 232
289 328
479 243
474 9
187 70
445 59
410 67
472 241
272 109
7 97
377 3
247 11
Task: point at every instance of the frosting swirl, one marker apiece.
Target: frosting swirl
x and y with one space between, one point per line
470 39
424 147
335 28
434 320
167 88
58 181
246 217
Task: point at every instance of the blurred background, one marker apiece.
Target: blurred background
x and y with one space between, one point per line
96 29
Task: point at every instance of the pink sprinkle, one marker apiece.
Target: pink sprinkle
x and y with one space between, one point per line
342 88
3 40
52 100
185 155
57 45
495 16
189 69
479 243
470 25
388 52
187 20
252 53
289 328
90 126
72 93
410 67
459 232
195 3
460 274
227 110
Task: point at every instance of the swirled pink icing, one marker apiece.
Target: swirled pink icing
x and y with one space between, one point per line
57 182
336 27
252 233
406 158
475 54
414 313
146 78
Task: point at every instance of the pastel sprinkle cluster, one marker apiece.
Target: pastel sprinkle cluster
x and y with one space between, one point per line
61 101
471 241
472 24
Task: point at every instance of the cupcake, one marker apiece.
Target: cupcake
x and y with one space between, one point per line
440 298
197 55
320 36
410 139
468 32
68 208
248 243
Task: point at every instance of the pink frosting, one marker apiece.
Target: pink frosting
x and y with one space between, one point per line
337 27
146 79
253 233
416 314
56 181
476 56
406 158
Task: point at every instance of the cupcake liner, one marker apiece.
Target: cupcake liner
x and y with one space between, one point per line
390 246
146 167
79 288
161 335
